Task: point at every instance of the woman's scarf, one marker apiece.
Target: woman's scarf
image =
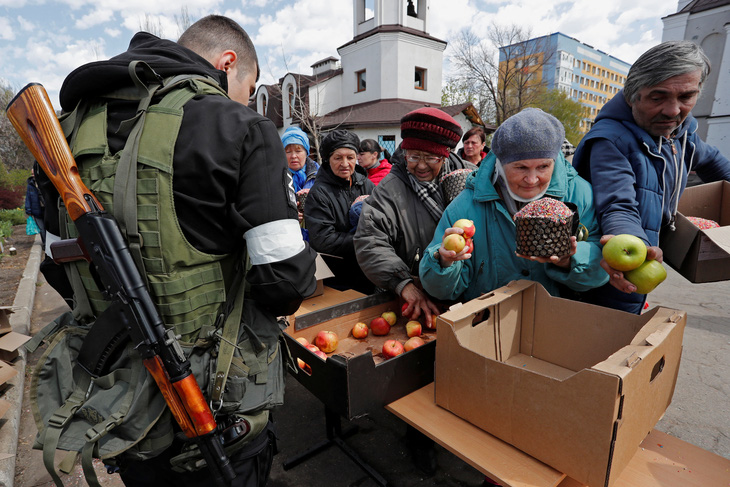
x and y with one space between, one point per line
429 192
299 177
512 202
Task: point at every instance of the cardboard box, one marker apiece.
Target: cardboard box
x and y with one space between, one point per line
321 272
4 407
356 378
5 312
701 255
574 385
7 372
9 345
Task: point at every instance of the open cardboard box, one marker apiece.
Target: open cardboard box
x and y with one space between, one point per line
701 255
574 385
356 378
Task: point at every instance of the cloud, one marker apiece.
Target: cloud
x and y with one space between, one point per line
112 32
26 25
243 19
98 16
6 30
307 25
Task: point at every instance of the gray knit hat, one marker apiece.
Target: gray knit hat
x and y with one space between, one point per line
530 134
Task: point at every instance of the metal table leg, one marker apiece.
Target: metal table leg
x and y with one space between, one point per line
336 436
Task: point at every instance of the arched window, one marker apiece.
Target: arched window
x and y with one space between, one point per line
291 99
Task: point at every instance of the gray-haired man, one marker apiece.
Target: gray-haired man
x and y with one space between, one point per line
639 152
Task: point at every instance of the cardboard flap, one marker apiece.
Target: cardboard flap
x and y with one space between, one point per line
652 340
703 201
720 237
7 372
676 244
656 327
10 343
477 305
5 312
322 270
4 407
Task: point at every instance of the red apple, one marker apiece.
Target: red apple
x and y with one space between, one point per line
413 328
403 310
304 366
413 342
455 242
379 326
392 348
390 317
326 341
313 348
470 245
467 226
303 341
360 330
321 354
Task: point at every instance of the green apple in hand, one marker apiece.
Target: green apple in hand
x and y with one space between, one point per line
647 276
624 252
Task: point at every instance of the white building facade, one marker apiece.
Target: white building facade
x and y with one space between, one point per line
707 22
390 67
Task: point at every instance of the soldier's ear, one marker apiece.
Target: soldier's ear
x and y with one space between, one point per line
225 60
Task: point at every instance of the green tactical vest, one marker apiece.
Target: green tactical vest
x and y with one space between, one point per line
187 285
233 347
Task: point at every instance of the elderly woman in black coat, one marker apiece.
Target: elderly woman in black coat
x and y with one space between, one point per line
339 182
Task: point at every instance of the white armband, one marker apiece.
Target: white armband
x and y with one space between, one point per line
274 241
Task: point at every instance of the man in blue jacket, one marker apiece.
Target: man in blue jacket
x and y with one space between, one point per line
641 148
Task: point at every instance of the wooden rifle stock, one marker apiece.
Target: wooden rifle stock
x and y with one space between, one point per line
33 117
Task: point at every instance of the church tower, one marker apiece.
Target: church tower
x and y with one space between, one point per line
392 55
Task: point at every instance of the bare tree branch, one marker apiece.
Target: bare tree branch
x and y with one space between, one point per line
507 86
304 110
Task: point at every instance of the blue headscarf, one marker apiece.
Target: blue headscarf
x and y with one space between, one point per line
295 135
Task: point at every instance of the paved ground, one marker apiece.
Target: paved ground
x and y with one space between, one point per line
699 414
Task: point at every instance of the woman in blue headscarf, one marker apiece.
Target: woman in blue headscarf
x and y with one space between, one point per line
301 166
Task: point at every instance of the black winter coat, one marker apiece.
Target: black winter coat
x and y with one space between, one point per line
230 179
327 210
395 227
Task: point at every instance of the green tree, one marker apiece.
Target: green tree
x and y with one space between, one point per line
455 92
561 106
13 152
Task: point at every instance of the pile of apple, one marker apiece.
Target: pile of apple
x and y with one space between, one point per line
380 326
325 342
456 241
627 253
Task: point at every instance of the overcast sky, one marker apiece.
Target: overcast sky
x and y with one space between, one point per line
43 40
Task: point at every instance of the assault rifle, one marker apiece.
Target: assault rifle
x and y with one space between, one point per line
102 244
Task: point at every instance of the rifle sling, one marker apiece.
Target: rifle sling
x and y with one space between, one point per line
231 313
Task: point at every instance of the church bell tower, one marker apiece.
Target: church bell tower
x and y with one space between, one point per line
391 55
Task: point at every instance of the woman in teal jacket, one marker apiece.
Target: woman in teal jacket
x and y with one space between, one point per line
525 164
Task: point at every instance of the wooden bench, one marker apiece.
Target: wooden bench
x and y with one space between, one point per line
661 460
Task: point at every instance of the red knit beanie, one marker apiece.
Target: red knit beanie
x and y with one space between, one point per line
430 130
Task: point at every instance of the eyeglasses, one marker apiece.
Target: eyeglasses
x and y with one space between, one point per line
415 159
